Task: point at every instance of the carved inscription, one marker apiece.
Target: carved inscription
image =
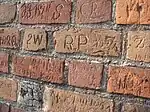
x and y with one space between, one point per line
3 62
84 74
138 48
65 101
129 80
92 11
45 69
34 39
8 89
9 38
90 41
57 11
133 12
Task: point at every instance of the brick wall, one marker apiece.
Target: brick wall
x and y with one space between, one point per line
74 56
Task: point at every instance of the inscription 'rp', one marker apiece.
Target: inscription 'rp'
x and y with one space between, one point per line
34 39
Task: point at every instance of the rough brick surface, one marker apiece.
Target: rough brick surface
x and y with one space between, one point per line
93 11
135 108
138 46
8 89
34 39
83 74
64 101
45 69
16 110
133 12
4 62
9 37
90 41
129 80
7 12
57 11
4 108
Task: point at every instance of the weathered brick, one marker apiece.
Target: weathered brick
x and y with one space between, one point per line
93 11
4 108
9 37
133 12
45 69
8 89
16 110
7 12
34 39
129 80
138 46
58 11
56 100
83 74
129 107
4 62
89 41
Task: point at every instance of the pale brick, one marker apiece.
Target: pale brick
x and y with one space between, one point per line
7 12
34 39
8 89
56 100
138 47
96 42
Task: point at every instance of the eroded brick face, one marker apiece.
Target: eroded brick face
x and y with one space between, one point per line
8 89
4 62
96 42
7 12
4 108
133 12
84 74
34 39
93 11
129 80
57 11
9 38
138 47
129 107
65 101
45 69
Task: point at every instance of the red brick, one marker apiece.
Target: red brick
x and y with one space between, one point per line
131 107
56 100
129 80
133 12
7 12
45 69
8 89
138 46
4 62
9 38
83 74
96 42
4 108
93 11
58 11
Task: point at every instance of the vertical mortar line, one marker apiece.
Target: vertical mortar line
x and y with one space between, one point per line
73 13
114 11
